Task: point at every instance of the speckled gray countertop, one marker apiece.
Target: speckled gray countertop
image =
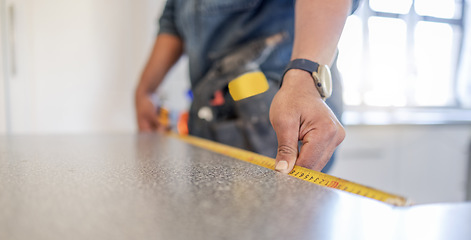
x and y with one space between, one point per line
156 187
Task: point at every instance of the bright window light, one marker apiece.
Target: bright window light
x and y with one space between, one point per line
403 59
387 57
433 52
350 59
392 6
435 8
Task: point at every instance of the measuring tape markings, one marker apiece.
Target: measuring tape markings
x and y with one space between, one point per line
302 173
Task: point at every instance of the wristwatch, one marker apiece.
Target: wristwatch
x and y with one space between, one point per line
320 74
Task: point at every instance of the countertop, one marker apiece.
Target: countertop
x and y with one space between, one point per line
151 186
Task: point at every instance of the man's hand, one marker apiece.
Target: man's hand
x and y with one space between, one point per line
146 113
298 113
167 50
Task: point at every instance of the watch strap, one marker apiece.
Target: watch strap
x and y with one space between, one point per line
302 64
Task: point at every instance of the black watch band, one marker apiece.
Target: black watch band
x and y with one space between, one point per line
303 64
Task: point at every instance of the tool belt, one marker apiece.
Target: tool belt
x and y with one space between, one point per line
245 123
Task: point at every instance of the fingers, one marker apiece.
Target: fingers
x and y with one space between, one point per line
313 151
144 126
317 128
147 117
161 125
287 135
148 122
319 144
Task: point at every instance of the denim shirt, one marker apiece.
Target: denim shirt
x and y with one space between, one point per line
210 28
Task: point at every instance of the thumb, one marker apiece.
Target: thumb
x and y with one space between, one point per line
287 153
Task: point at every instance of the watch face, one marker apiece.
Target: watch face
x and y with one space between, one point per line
323 80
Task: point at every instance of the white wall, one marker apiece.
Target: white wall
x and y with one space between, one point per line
78 63
3 113
96 50
18 53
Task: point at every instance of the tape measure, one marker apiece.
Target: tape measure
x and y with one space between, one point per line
305 174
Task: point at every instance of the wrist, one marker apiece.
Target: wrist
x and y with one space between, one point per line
320 74
300 81
143 90
297 78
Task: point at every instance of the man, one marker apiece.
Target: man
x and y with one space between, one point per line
207 30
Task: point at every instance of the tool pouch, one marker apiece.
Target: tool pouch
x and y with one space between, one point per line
245 123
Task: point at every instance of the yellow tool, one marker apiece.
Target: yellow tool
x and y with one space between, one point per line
298 172
248 85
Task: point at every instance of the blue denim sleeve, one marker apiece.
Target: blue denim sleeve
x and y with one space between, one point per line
167 19
355 4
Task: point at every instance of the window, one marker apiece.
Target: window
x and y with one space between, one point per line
402 53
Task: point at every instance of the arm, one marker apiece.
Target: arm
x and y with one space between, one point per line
167 50
298 113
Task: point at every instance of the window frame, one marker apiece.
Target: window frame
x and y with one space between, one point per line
412 18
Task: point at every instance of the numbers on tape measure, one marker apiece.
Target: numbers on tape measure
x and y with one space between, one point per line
298 172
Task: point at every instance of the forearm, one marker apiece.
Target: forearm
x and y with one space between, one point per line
298 112
166 52
319 24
